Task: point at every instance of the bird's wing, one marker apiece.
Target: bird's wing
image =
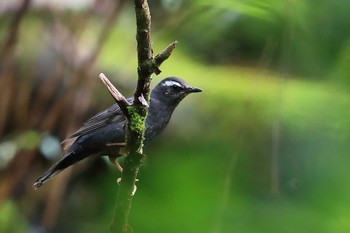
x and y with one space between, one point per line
112 114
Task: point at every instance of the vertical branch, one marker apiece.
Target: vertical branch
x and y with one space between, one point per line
136 126
144 49
137 114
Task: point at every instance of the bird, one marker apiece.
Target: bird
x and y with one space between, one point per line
104 133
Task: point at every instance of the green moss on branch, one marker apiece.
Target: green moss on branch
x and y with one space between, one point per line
137 121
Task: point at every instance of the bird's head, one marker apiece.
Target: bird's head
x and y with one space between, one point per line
172 90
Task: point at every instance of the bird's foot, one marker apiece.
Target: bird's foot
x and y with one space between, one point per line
112 159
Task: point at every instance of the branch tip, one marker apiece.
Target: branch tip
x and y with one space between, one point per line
162 56
118 97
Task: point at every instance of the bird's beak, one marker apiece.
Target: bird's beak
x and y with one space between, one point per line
194 90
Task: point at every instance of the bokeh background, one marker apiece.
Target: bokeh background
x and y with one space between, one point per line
265 147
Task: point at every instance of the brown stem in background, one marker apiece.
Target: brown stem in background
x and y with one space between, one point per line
7 64
15 171
82 72
12 37
104 34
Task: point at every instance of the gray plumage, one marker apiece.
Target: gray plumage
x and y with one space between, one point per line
104 133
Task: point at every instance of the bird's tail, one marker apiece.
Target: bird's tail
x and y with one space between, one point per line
66 161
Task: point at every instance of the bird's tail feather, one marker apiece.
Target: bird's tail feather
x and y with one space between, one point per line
45 177
66 161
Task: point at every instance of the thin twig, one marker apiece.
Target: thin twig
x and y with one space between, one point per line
162 56
119 98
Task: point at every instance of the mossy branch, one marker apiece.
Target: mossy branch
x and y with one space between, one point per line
137 114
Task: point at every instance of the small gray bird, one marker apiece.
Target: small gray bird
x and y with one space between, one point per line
104 133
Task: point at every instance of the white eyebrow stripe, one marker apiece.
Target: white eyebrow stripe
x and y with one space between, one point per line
171 83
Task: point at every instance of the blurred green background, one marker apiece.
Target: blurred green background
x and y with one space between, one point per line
263 149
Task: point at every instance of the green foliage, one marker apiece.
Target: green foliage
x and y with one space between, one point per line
185 174
11 219
186 184
309 34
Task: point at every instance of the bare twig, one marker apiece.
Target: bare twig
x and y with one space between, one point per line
119 98
162 56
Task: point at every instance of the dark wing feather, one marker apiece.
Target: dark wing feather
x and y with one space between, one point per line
111 114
